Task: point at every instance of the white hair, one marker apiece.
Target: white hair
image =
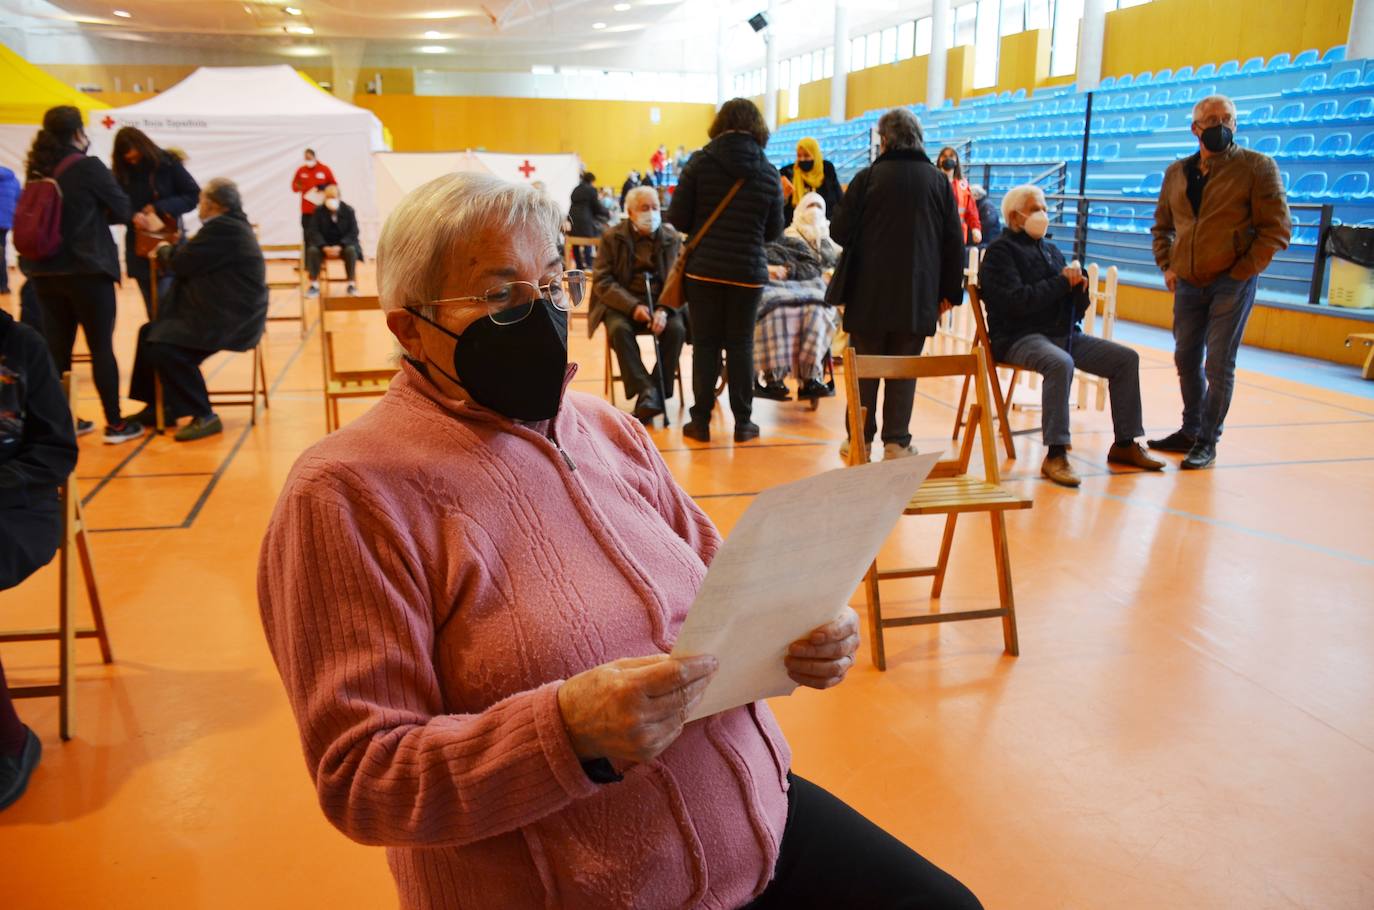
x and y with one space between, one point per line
1215 99
420 237
1015 200
638 193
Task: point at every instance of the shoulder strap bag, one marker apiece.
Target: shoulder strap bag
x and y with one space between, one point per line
672 295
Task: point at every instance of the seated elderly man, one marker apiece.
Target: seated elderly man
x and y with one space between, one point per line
639 250
332 231
218 302
471 593
795 325
1034 305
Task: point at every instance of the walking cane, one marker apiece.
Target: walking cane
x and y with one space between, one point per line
658 356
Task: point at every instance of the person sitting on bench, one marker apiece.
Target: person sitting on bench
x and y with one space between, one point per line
218 302
333 233
1034 304
640 244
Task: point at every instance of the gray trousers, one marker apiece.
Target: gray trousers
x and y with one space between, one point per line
314 258
1051 358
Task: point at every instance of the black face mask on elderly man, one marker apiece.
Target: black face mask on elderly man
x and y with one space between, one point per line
516 370
1217 138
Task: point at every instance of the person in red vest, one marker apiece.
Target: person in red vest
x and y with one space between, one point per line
310 180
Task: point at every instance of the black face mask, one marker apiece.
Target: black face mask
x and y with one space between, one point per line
1217 138
806 165
516 370
947 164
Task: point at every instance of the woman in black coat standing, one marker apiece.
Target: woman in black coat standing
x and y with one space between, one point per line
159 187
76 285
588 216
727 272
902 266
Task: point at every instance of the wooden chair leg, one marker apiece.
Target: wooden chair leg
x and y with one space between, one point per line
261 357
66 632
610 369
1002 405
334 404
959 412
875 617
1002 558
946 542
83 550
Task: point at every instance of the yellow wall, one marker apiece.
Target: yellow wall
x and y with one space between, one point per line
815 100
878 87
611 136
1174 33
1024 61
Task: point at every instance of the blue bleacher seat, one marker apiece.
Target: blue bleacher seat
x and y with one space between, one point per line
1206 71
1163 77
1312 83
1268 145
1345 79
1181 95
1277 62
1113 124
1202 91
1305 234
1285 178
1110 151
1228 69
1289 113
1136 124
1242 141
1117 102
1309 186
1143 78
1299 146
1158 122
1358 109
1106 83
1019 95
1334 145
1124 220
1349 188
1097 217
1124 81
1321 112
1259 114
1140 99
1335 55
1252 66
1160 98
1363 149
1184 74
1309 57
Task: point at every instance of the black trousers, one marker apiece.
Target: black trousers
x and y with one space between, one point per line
622 330
898 394
142 274
183 387
30 533
30 310
832 857
4 262
723 317
584 257
314 258
88 301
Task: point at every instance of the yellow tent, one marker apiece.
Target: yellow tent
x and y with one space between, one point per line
26 92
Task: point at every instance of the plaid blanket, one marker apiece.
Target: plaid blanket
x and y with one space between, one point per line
794 339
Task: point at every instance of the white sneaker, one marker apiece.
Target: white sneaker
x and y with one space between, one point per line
352 290
891 450
314 291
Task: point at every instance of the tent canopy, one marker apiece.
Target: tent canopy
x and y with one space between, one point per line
26 92
400 172
251 124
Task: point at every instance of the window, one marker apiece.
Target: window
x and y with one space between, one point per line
818 64
923 30
805 63
906 40
889 42
785 74
829 62
1127 4
1038 14
1064 53
965 25
856 55
987 43
1013 16
875 48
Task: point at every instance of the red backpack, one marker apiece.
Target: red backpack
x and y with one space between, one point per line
38 216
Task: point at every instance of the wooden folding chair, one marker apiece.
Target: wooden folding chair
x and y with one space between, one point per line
1100 295
613 377
74 536
1000 400
282 254
949 490
340 384
238 398
569 262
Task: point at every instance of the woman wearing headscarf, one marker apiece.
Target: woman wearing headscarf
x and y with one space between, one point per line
810 173
969 219
795 325
159 189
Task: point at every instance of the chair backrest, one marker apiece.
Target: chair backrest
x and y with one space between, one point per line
1366 144
1260 114
1358 109
1348 186
1228 69
1253 65
1344 79
1140 99
1124 81
1309 57
1277 62
1184 74
1334 144
1309 185
1289 113
1335 55
1161 97
1157 122
1268 145
971 365
1322 111
1106 83
1163 77
1206 71
1313 82
1301 144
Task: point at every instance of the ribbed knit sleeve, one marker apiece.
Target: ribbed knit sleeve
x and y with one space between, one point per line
350 623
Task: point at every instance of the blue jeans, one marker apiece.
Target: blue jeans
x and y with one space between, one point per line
1209 320
1051 359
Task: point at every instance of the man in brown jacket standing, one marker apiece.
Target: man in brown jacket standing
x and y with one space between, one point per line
1221 217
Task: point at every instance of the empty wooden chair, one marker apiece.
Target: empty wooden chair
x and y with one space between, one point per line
74 538
1101 295
292 254
612 376
949 490
340 384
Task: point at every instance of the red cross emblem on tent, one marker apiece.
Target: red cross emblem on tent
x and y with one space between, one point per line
107 122
526 169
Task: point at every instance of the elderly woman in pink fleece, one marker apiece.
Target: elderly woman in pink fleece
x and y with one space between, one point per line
471 592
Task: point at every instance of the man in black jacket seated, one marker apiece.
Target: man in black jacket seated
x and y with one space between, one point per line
37 453
218 302
333 232
1034 303
640 244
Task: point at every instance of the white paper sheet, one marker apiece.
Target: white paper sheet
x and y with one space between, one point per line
789 565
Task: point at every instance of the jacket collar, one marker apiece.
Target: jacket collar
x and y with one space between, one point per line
903 155
414 379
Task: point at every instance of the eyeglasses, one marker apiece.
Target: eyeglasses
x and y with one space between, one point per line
511 302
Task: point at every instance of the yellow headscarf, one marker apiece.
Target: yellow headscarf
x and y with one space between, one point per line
804 182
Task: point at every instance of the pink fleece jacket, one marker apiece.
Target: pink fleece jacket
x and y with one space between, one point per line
431 574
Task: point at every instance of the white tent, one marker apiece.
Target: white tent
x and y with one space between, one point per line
251 124
400 172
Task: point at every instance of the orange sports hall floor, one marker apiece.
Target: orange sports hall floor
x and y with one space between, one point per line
1190 722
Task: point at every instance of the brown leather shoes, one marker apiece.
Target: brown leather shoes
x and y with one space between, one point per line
1133 455
1056 468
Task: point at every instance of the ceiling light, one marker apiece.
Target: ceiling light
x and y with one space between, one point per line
621 7
123 14
433 34
598 25
292 11
301 30
432 49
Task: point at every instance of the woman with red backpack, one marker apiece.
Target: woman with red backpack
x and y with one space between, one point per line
63 237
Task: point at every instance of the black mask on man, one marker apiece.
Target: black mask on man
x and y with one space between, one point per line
516 370
1217 138
947 163
806 165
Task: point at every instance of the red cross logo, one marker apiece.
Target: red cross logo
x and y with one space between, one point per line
107 122
526 169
